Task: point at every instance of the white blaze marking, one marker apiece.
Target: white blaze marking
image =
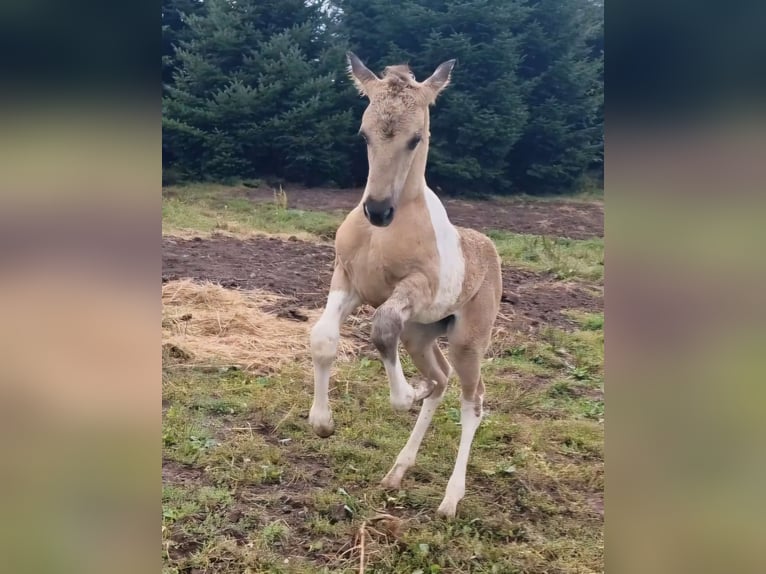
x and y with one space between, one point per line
451 262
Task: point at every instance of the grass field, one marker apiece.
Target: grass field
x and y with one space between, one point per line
248 487
211 208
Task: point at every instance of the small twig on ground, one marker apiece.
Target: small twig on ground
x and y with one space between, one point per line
248 428
283 419
362 529
346 551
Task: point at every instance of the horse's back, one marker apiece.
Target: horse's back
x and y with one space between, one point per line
482 263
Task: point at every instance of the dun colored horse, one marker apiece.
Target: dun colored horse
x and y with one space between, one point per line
399 252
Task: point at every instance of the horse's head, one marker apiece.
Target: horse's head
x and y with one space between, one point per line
395 126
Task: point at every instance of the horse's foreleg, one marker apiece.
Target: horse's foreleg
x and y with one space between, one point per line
324 345
387 326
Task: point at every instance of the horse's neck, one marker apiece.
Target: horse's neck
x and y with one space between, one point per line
414 192
415 186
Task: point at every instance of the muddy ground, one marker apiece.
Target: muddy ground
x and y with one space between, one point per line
574 220
301 271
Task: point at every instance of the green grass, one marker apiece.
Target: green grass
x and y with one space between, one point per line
588 321
209 208
249 488
269 490
527 507
565 258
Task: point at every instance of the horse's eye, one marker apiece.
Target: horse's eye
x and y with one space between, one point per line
364 137
414 141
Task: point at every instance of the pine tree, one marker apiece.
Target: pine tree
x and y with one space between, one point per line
563 136
174 30
259 90
482 114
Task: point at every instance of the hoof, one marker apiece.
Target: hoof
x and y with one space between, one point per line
424 389
447 508
324 431
402 404
391 482
322 423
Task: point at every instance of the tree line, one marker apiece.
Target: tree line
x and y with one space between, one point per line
259 89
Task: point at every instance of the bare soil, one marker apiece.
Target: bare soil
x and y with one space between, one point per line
556 218
177 473
301 271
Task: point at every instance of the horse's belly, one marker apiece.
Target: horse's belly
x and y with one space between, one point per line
433 313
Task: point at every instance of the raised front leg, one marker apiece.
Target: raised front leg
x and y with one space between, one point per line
324 345
387 325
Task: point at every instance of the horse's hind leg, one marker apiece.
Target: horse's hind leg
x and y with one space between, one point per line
468 341
420 342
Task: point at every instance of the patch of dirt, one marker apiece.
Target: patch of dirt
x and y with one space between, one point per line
296 269
575 220
301 271
596 502
181 544
180 474
293 504
538 299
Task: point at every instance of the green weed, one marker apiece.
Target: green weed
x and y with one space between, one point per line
565 258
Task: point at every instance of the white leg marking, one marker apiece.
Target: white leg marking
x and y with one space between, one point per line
402 393
469 421
324 344
408 454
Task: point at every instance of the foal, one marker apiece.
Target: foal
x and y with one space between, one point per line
398 252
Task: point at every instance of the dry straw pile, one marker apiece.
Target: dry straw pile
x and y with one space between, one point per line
204 324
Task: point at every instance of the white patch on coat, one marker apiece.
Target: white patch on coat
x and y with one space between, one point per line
451 262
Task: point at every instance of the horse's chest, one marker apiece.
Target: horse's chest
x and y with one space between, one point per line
375 275
376 261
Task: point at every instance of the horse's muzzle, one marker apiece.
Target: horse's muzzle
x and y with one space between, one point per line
379 213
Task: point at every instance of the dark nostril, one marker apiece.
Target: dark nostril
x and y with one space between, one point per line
379 213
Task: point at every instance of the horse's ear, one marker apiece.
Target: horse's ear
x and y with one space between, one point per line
361 75
439 79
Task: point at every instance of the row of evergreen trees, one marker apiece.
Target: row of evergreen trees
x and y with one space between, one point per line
258 88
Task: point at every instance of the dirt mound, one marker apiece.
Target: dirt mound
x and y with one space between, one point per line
301 271
556 218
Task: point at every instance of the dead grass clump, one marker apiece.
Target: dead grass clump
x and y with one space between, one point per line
504 336
213 325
